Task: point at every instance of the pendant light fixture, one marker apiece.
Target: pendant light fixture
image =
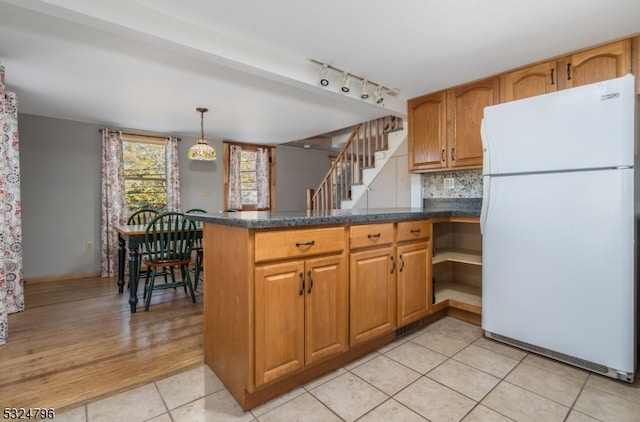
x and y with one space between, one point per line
202 150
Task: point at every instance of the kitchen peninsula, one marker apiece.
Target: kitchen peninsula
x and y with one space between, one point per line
289 296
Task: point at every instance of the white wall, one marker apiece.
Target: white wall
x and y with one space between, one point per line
392 186
298 169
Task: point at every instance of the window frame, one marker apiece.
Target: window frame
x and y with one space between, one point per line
272 173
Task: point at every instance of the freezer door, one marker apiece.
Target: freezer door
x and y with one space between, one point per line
558 263
590 126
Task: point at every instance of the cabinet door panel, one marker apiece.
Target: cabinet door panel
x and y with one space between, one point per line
466 109
279 321
427 132
531 81
326 309
599 64
372 294
414 282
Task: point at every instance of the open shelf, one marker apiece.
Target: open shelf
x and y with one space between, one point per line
458 255
447 290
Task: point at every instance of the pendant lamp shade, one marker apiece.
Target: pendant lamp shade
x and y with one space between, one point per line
202 151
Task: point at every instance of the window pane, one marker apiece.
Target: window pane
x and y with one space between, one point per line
145 176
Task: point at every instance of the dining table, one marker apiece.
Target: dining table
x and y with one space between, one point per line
131 237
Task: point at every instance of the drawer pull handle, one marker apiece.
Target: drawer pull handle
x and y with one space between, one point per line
373 236
310 282
401 264
309 243
415 231
301 291
393 264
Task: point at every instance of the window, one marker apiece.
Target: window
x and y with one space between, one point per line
145 174
249 176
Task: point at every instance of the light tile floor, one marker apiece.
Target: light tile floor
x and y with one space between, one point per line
447 371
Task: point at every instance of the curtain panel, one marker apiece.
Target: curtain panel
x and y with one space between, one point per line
234 194
113 209
173 174
263 168
11 274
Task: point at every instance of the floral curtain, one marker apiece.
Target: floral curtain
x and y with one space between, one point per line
173 174
262 171
113 210
234 196
11 276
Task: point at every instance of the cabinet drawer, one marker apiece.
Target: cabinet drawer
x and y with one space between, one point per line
298 243
414 230
370 235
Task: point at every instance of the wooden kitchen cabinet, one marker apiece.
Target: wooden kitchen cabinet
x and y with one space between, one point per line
427 148
535 80
457 265
301 315
413 276
372 292
597 64
444 127
589 66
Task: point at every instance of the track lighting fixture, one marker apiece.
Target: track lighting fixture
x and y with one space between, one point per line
346 82
378 95
364 94
324 76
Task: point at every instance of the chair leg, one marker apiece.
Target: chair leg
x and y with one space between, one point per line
150 289
198 271
187 279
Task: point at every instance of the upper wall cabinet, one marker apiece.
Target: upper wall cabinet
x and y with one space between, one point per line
465 109
528 82
428 132
444 127
589 66
597 64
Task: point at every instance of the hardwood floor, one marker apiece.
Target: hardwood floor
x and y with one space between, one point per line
77 341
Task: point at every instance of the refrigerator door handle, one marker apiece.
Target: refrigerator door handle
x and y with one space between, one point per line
485 178
486 183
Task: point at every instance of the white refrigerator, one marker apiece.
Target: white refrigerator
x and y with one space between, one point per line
559 224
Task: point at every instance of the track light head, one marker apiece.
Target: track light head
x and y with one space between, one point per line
364 93
346 82
324 75
378 95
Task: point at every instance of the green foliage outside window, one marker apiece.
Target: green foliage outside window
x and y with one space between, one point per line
145 176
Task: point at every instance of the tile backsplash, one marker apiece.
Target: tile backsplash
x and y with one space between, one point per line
466 184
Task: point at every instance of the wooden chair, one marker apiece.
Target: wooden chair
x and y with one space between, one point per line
138 218
168 241
197 270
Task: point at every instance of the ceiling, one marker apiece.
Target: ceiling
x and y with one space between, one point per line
145 65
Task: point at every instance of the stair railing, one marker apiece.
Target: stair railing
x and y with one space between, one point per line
357 154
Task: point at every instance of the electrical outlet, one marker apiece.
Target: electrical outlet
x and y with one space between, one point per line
205 192
449 183
88 246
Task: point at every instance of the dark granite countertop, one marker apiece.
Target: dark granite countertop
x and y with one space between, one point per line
276 219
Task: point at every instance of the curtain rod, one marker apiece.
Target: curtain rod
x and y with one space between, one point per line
135 134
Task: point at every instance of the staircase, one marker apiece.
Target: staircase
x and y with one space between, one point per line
368 147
